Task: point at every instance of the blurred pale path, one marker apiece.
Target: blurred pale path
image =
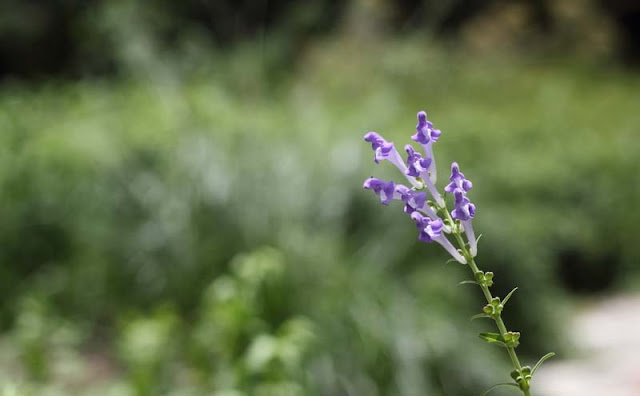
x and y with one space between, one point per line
607 335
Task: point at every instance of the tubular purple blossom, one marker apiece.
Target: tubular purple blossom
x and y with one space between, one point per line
457 180
385 190
381 148
426 135
415 201
465 211
471 237
418 166
431 231
384 150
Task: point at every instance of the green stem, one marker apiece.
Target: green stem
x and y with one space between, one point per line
498 319
487 294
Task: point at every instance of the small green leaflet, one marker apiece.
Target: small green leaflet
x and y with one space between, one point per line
504 302
478 316
493 338
497 385
542 359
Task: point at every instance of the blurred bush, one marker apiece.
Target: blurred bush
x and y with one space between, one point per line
139 212
73 39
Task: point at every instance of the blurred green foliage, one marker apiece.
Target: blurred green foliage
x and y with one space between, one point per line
72 39
207 233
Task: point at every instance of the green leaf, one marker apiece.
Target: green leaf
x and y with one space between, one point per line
478 316
468 282
542 359
504 302
497 385
493 338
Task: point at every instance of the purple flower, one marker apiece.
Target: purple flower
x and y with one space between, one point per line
464 209
424 130
413 200
426 136
457 180
419 167
384 150
385 190
430 230
381 148
416 164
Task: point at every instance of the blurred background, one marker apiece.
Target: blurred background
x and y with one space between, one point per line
182 212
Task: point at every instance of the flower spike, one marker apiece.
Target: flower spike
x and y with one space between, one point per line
420 170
